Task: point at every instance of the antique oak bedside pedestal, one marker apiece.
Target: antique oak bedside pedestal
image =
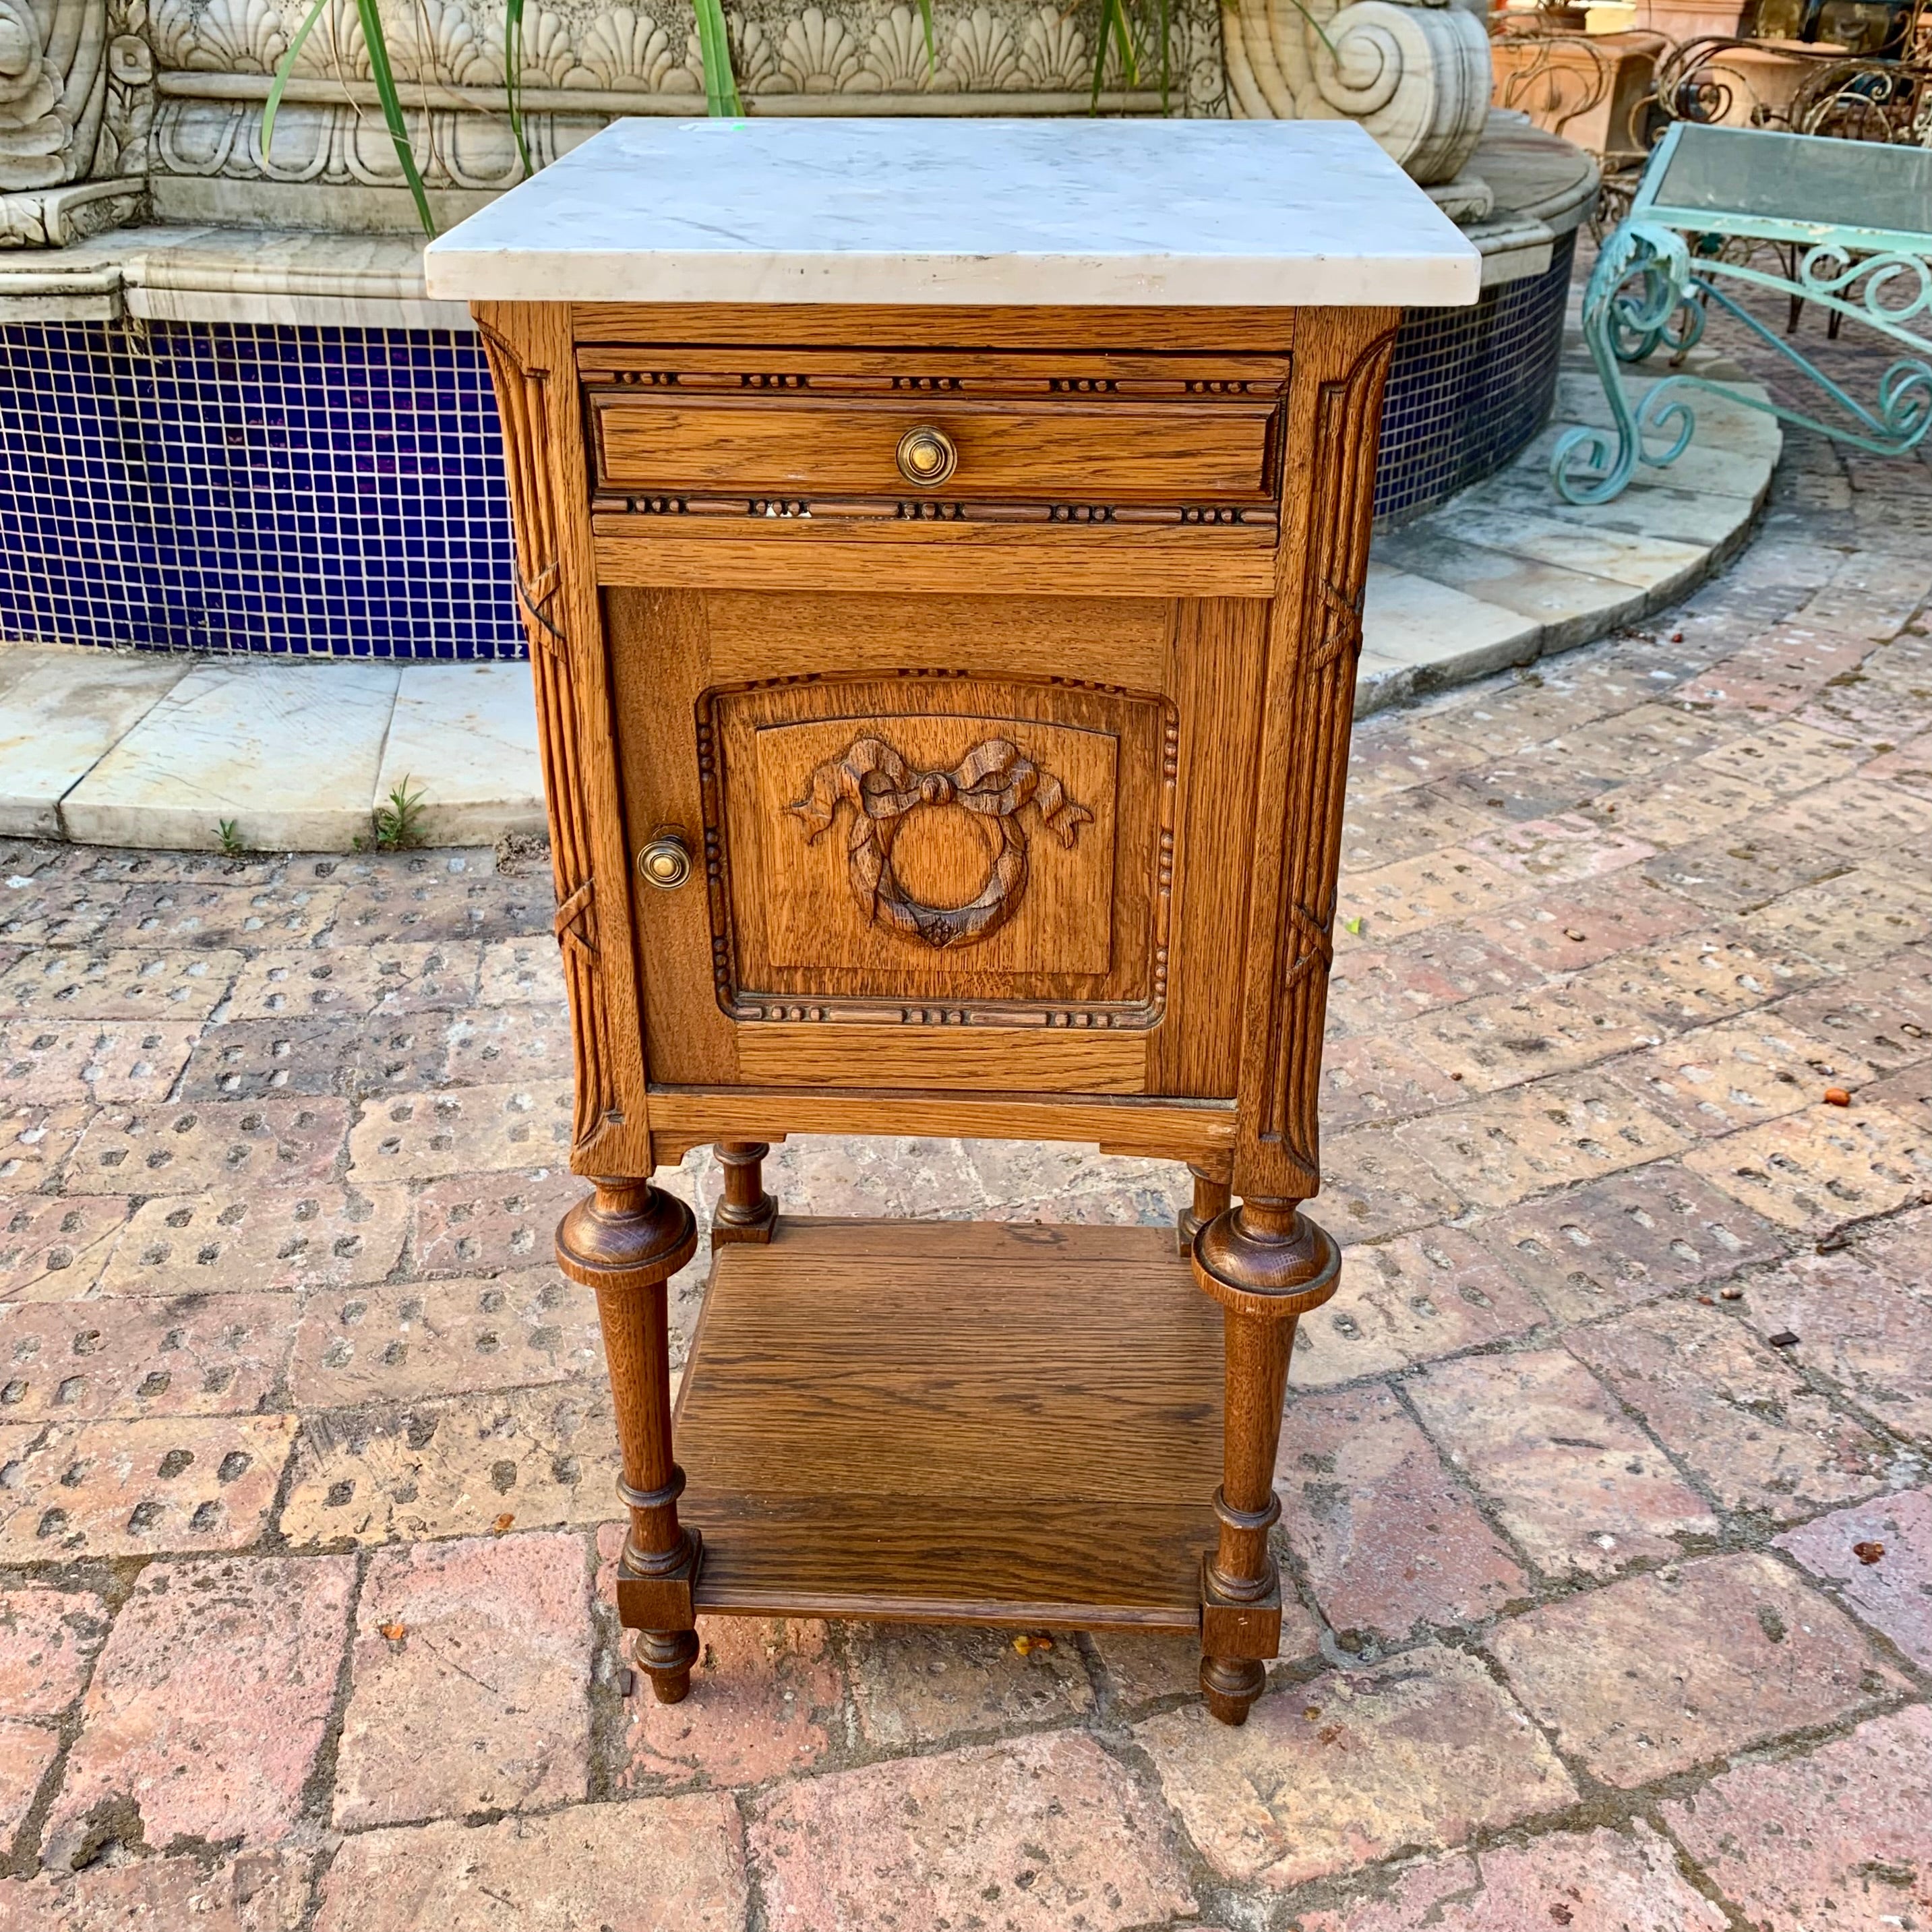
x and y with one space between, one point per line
941 545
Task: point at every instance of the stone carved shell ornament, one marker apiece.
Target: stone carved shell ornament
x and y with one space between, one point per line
1018 47
579 64
155 91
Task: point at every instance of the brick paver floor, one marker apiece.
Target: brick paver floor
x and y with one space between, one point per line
1608 1522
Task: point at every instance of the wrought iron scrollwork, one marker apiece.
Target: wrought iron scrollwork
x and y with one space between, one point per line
1650 287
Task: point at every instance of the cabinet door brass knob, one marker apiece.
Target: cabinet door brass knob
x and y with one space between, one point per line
927 456
665 863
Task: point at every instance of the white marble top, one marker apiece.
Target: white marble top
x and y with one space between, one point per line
1073 212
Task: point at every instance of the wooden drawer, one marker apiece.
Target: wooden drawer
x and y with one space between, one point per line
1125 438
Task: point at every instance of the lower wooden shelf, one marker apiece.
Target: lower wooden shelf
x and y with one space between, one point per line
974 1422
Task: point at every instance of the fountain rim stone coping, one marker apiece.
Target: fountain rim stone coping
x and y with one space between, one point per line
1541 186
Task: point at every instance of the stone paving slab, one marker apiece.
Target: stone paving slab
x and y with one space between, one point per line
1837 1838
195 1643
457 733
1752 1653
673 1864
1423 1751
257 1891
469 1673
60 712
1601 1881
1047 1832
286 753
1880 1555
132 1488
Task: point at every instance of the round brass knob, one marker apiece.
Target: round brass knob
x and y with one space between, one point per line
665 863
927 456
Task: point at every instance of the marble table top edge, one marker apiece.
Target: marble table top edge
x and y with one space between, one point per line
936 212
939 281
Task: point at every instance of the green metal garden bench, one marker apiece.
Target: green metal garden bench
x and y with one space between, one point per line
1850 224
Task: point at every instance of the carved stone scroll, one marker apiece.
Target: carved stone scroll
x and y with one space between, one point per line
994 779
74 109
523 402
1416 77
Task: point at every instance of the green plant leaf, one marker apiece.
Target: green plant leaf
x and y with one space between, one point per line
926 21
383 76
714 49
397 823
1123 38
284 68
513 79
1321 32
1113 17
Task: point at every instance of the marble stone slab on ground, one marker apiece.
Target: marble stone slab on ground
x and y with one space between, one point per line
1445 635
289 753
60 711
1728 420
1655 504
1658 566
1563 606
465 737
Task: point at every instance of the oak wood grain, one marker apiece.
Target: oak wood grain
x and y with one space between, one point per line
873 1423
1111 451
1083 917
1119 641
985 1060
779 553
1044 1565
683 1118
660 654
1315 638
1219 655
975 327
717 368
532 364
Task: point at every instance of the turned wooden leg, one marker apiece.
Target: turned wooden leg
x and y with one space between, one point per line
625 1241
746 1212
1210 1197
1267 1265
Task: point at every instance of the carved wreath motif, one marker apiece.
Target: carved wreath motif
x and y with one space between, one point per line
994 778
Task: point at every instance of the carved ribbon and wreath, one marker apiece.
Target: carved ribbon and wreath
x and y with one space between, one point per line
995 779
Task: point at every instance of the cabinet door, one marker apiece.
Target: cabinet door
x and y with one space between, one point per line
940 843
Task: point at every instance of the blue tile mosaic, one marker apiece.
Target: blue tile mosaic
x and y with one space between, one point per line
305 491
339 492
1469 387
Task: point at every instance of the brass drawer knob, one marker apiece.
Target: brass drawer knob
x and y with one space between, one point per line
927 456
665 863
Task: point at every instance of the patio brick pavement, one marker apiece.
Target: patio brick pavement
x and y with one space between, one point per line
1608 1516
